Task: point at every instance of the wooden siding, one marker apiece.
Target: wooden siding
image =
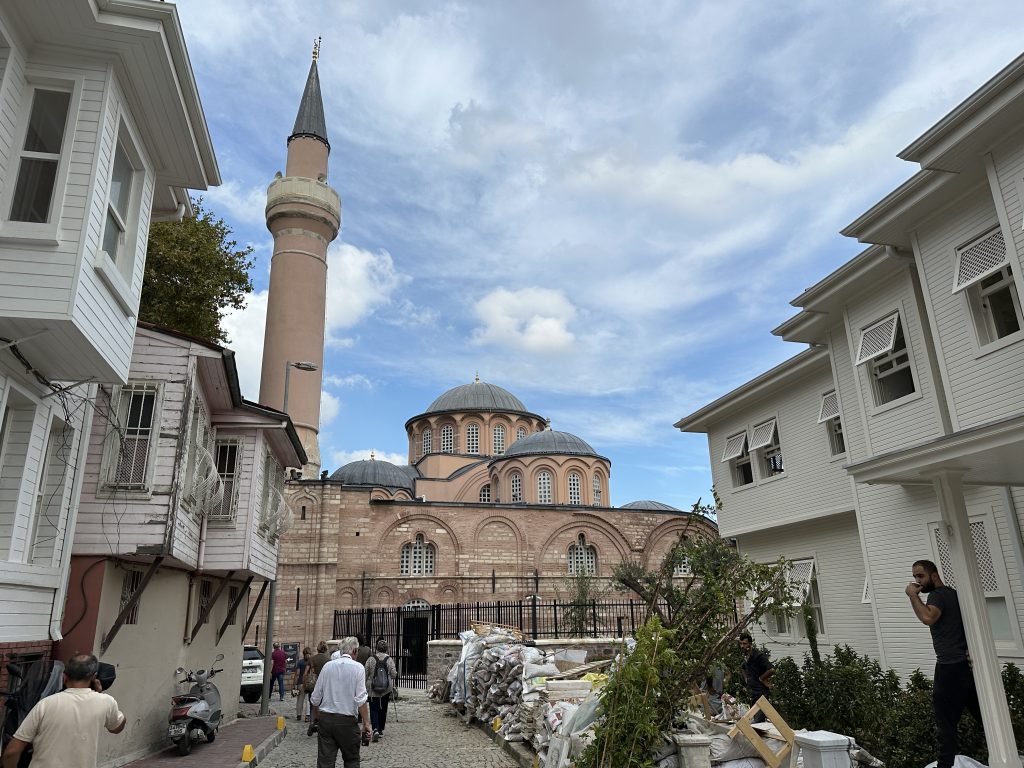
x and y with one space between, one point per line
227 545
834 543
25 613
813 482
262 555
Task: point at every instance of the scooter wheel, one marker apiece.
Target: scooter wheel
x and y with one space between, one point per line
184 744
211 735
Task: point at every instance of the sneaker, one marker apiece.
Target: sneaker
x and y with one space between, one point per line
376 736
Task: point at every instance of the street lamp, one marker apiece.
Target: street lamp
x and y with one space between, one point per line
302 366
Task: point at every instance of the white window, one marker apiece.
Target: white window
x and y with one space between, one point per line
428 437
804 578
485 492
129 586
447 439
499 440
226 455
765 438
544 487
575 488
682 568
980 258
582 557
15 436
473 438
54 476
520 433
39 161
829 416
738 457
597 490
116 242
884 349
516 486
776 623
995 305
134 436
273 504
200 463
417 558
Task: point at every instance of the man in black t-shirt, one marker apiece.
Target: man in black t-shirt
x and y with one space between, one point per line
953 689
757 670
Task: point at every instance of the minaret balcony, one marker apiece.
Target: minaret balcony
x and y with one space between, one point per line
289 196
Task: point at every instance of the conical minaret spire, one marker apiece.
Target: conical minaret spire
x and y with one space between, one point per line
304 216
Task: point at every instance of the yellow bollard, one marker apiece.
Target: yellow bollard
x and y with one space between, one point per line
280 722
248 754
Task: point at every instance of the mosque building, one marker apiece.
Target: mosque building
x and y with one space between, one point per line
492 505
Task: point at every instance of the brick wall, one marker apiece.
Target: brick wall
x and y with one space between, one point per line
16 650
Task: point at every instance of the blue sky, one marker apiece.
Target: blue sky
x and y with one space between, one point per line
602 207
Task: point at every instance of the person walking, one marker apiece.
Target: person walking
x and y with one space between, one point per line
64 728
340 697
380 682
364 650
316 664
757 670
953 689
280 665
302 671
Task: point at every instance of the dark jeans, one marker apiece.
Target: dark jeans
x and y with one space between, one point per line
277 677
337 732
379 712
953 692
756 694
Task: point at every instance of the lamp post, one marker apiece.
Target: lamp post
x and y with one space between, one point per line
302 366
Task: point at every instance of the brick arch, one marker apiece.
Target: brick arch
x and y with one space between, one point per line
419 522
304 497
531 474
469 490
347 598
585 524
448 591
385 597
504 556
654 548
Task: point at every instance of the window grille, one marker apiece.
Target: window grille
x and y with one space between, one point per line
232 612
682 568
417 558
979 259
499 440
597 490
575 488
428 436
772 458
485 493
473 439
129 586
878 339
544 487
582 557
516 483
829 407
136 408
520 433
273 492
40 156
205 592
735 446
227 469
447 439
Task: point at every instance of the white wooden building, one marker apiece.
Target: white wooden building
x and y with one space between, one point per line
899 435
180 514
101 130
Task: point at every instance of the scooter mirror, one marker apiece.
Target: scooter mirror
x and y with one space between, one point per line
179 671
220 657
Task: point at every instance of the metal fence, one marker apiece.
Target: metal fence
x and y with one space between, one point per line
407 629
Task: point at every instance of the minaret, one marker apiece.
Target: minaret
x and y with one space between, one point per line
303 215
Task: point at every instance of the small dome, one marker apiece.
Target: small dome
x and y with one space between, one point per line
478 396
650 506
377 473
550 443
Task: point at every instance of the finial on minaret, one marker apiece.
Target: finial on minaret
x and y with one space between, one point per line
477 378
373 455
316 48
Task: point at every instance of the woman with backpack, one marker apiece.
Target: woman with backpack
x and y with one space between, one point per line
380 677
305 680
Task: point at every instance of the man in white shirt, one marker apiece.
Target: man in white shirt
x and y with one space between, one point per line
64 728
340 696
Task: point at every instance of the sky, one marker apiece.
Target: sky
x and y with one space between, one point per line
603 207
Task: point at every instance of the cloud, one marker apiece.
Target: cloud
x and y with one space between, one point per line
238 204
245 328
358 283
329 407
530 319
351 381
341 458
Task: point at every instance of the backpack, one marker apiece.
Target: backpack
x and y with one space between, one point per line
380 684
309 682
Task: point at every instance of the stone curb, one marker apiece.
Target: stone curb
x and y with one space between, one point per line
265 747
517 750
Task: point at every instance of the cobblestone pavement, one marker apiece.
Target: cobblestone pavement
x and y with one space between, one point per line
420 734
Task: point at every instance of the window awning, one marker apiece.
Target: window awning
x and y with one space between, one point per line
763 435
979 259
734 447
878 339
829 407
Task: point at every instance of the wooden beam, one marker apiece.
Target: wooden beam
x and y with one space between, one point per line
243 592
252 614
129 605
205 613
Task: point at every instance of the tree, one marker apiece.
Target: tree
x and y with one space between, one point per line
193 273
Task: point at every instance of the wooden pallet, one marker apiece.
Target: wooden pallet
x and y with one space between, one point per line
745 726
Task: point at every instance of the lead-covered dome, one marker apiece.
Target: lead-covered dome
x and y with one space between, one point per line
478 396
377 474
550 443
648 505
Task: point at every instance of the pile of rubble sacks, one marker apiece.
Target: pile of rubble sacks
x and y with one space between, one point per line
550 700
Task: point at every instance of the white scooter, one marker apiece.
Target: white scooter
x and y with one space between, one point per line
197 713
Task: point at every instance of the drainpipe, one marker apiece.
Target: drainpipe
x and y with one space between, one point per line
268 646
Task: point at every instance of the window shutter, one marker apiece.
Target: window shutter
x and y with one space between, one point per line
763 434
800 578
878 339
979 259
734 447
829 407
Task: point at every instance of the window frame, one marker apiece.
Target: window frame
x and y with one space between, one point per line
230 497
473 438
112 443
426 442
59 431
498 446
581 552
597 490
547 491
485 491
448 438
885 355
515 495
978 306
20 513
575 495
417 558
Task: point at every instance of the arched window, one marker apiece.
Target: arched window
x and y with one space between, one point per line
428 439
682 568
520 433
447 439
544 487
516 483
473 438
417 558
499 440
597 490
582 557
485 492
575 488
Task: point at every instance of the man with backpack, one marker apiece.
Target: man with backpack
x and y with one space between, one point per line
380 677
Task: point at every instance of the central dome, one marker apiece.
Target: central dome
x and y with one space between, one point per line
478 396
550 442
